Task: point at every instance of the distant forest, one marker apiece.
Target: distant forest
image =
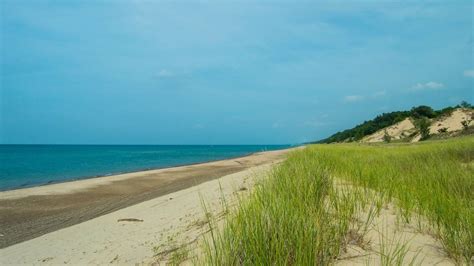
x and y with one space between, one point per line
387 119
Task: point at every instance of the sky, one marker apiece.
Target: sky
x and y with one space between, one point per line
224 72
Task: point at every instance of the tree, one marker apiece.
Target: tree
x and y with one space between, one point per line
423 111
445 111
465 104
386 137
423 125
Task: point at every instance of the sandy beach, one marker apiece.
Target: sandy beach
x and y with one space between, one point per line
29 213
144 233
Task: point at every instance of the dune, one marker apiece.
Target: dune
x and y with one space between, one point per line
399 130
453 122
404 129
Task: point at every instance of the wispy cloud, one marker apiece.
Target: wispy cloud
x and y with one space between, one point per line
353 98
431 85
165 73
469 73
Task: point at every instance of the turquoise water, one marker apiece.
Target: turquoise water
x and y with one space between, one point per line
33 165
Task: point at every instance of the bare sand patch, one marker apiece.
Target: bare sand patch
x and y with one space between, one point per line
400 130
453 122
390 241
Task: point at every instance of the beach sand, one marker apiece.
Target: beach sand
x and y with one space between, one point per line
145 233
32 212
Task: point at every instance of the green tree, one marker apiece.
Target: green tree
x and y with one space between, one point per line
386 137
423 126
465 104
423 111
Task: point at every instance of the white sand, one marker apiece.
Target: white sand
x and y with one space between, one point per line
374 236
399 130
453 122
386 235
167 221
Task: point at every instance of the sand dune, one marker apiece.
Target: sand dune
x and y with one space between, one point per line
453 121
401 130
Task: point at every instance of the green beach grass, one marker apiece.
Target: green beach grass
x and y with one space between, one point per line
300 216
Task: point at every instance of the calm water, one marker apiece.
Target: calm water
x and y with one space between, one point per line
32 165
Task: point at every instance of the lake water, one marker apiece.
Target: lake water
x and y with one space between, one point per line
33 165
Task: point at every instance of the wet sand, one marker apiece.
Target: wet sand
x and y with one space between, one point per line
31 212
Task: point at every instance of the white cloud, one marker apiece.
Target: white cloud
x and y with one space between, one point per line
469 73
379 93
353 98
164 73
431 85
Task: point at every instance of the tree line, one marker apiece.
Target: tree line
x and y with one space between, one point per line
421 114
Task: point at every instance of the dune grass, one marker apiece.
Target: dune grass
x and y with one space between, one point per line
298 216
287 220
431 180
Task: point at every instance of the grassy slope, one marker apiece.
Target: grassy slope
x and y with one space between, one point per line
297 215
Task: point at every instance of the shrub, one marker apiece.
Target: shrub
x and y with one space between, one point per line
423 111
423 125
443 130
465 104
386 137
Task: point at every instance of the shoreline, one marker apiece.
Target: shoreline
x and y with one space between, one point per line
73 179
28 213
52 182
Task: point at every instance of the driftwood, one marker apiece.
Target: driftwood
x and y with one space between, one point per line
129 220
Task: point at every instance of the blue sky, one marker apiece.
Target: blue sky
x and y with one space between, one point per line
224 72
